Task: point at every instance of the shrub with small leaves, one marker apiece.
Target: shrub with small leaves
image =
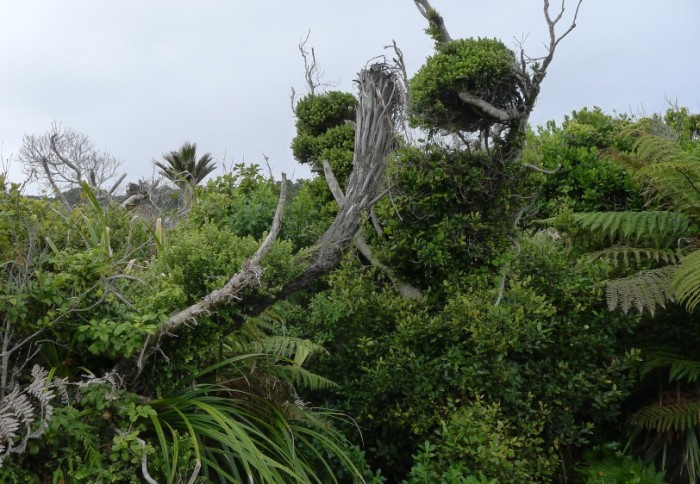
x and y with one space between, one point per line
482 67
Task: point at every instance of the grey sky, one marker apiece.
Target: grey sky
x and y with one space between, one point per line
141 77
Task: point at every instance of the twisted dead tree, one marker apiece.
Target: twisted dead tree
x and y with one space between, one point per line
380 104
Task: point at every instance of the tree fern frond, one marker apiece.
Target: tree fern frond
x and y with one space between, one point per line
686 280
624 255
634 225
680 416
644 291
680 367
653 149
289 347
677 183
669 173
302 378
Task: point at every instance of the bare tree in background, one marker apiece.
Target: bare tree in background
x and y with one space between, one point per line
62 159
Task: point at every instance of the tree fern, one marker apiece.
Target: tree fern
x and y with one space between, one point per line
290 347
686 281
680 368
625 255
302 378
677 184
669 173
657 225
672 435
676 417
644 291
670 176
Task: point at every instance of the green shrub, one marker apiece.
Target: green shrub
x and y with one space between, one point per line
482 67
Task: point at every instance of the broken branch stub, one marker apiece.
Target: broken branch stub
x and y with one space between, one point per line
380 103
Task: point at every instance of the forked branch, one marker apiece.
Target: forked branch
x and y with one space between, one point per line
405 289
553 39
528 73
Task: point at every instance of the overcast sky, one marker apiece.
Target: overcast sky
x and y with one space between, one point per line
141 77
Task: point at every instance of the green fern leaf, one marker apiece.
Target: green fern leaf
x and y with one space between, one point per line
288 347
680 368
624 254
669 174
680 416
661 226
644 291
686 281
302 378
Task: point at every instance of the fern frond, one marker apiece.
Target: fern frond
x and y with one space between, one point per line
644 291
657 225
624 254
669 173
275 316
25 414
653 149
686 281
302 378
289 347
679 416
677 183
680 368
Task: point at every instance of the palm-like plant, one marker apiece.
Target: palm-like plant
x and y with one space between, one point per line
183 168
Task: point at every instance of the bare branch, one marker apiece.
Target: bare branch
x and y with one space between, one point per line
312 72
375 222
542 170
292 100
488 109
332 183
62 159
54 187
405 289
251 272
435 20
144 462
553 39
380 103
133 200
116 184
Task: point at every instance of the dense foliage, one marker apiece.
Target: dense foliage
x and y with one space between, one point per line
550 334
482 67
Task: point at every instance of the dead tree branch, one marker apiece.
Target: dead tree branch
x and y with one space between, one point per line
250 273
488 109
542 170
528 72
379 105
312 71
435 20
405 289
